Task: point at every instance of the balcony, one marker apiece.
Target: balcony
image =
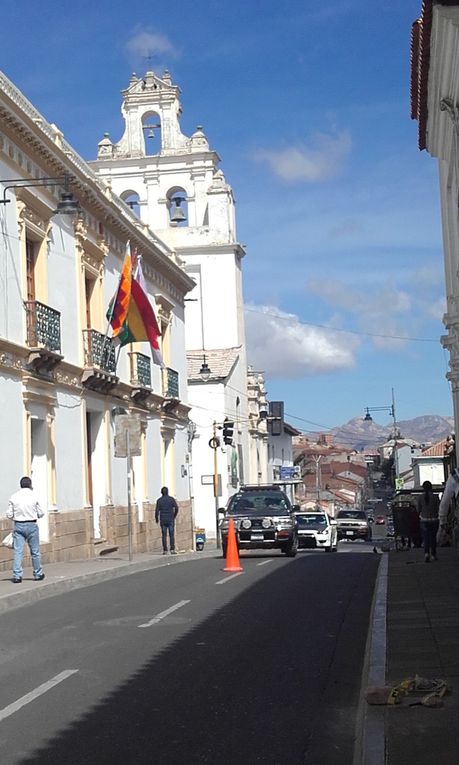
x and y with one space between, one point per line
43 336
170 383
140 366
99 361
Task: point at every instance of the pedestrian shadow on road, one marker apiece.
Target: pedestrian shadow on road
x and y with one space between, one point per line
253 682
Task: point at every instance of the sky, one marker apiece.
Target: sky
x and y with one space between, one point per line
307 104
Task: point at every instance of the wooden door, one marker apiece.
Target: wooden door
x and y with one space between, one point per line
30 268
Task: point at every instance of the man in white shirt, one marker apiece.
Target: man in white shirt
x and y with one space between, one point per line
451 490
25 510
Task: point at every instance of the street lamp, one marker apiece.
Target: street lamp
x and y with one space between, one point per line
205 370
67 204
390 409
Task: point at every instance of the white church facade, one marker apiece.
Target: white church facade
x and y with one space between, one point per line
175 185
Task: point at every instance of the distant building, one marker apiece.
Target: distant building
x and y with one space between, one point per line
430 465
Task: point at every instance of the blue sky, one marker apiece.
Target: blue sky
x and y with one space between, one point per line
308 106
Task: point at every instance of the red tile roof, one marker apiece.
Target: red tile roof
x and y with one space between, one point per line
436 450
420 62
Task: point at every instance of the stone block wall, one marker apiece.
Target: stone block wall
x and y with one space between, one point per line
146 535
72 538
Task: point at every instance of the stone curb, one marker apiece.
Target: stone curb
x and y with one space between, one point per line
49 589
370 734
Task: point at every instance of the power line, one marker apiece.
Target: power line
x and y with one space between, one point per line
339 329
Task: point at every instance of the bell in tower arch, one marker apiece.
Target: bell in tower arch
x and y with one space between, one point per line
177 214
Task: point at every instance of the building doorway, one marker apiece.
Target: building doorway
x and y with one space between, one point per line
95 466
39 469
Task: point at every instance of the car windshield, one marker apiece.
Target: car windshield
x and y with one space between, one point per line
267 503
311 521
357 515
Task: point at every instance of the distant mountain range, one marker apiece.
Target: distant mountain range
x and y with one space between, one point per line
359 434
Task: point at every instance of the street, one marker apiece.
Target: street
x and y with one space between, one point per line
187 664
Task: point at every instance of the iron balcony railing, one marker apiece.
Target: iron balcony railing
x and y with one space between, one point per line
43 326
99 351
170 383
140 370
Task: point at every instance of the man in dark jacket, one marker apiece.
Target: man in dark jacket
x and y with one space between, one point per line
166 513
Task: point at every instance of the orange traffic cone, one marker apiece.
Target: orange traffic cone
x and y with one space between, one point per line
232 555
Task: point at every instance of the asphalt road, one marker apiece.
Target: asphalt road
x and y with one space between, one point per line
186 664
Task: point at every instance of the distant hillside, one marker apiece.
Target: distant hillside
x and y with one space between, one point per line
359 434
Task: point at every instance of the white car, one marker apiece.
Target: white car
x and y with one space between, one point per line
316 529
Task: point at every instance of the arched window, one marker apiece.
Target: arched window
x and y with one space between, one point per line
133 200
151 127
177 205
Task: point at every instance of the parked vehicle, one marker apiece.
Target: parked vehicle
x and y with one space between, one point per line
353 524
317 529
263 519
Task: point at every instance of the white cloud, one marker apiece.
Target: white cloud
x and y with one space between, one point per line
437 308
385 311
428 275
281 346
321 160
387 299
145 43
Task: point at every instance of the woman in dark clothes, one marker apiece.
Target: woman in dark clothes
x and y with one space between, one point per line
428 505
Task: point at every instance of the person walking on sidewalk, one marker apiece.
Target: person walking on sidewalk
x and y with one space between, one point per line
24 509
428 505
166 513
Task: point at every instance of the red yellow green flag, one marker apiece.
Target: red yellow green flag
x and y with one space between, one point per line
119 306
139 322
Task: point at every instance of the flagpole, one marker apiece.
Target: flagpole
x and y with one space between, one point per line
112 310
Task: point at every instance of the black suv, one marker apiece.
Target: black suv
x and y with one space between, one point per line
263 519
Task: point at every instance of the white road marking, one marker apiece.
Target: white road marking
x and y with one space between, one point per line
44 688
264 562
227 578
159 617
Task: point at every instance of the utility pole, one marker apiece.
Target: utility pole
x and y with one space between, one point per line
129 482
215 443
317 461
393 414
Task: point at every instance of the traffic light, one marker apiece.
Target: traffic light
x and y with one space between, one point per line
228 429
276 418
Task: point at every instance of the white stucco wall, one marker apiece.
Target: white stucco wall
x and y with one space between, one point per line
11 441
69 452
280 452
207 402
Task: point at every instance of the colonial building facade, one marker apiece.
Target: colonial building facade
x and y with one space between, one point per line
435 105
62 382
174 184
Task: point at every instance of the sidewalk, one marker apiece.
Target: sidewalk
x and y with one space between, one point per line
63 577
423 638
